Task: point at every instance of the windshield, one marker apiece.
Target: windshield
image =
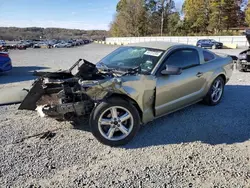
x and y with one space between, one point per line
128 57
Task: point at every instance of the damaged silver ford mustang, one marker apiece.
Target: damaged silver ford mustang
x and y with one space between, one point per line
133 85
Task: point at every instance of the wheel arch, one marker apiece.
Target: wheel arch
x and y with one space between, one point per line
223 77
211 80
218 75
127 99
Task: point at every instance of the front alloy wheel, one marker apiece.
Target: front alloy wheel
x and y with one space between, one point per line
115 122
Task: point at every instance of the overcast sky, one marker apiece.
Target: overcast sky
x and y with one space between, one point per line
77 14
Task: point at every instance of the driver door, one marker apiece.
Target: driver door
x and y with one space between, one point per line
177 91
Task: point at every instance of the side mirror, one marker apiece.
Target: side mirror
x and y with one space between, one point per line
171 70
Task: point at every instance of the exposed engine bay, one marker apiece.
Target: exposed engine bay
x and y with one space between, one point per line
74 92
62 94
243 62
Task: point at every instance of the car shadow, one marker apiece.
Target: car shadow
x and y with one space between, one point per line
81 124
19 74
226 123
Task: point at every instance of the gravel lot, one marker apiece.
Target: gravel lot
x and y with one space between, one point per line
199 146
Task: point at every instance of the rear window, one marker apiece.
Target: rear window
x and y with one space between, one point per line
208 56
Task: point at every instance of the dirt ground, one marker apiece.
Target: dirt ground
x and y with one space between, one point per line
199 146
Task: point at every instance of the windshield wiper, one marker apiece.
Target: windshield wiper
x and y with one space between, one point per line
105 68
134 70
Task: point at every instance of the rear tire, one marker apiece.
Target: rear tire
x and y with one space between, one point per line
214 47
115 122
215 92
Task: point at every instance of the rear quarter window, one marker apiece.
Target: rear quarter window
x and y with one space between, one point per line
208 56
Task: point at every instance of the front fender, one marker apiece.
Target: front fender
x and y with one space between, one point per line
140 88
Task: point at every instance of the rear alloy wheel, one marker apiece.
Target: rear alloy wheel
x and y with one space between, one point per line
216 92
115 122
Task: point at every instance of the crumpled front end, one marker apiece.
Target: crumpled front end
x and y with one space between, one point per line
57 99
59 95
62 95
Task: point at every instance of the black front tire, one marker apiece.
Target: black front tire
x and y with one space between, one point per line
101 108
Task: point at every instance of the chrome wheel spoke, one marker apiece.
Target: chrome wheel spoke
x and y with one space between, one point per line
105 121
213 94
114 112
217 84
125 117
111 132
123 129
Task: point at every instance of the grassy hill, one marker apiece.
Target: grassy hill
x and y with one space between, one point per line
14 33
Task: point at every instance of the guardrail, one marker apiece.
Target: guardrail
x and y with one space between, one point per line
228 41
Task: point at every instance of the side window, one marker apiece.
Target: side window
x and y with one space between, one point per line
184 58
208 56
205 41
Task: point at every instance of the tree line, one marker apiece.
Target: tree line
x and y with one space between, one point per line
161 17
31 33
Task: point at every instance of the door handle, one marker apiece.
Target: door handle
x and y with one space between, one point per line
199 74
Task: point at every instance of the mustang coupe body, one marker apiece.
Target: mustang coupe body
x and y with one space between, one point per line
131 86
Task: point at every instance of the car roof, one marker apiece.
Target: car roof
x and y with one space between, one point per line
161 45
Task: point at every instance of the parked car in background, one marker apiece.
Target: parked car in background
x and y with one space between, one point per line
3 48
27 44
2 43
21 46
63 45
60 45
5 62
133 85
10 46
209 43
41 45
86 41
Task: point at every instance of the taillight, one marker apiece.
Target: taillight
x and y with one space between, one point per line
4 55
